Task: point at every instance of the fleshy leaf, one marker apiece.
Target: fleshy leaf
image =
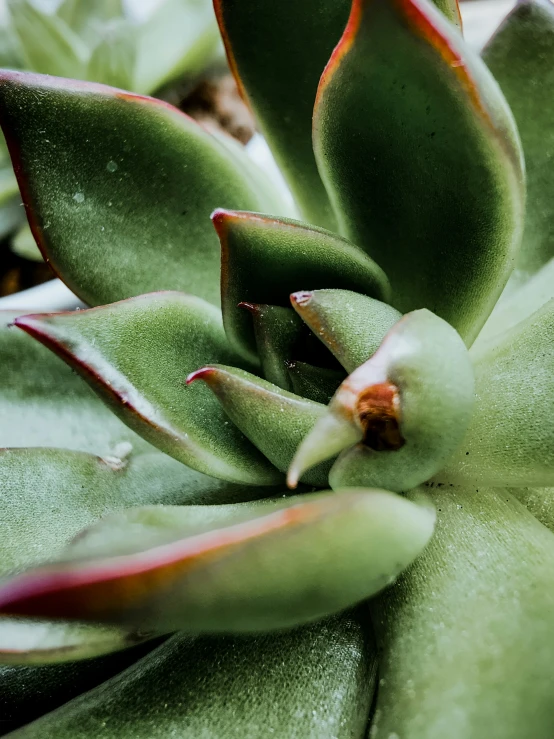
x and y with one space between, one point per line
128 213
409 405
136 355
437 134
240 568
465 636
48 495
521 57
352 326
266 54
264 259
510 440
273 419
43 403
315 682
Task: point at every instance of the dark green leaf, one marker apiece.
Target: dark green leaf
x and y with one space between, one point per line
119 188
264 259
421 158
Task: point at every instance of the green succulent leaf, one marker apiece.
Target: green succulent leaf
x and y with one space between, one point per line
301 36
47 496
521 57
437 135
136 355
352 326
278 333
315 682
409 405
273 419
465 635
239 568
122 210
264 259
47 43
510 440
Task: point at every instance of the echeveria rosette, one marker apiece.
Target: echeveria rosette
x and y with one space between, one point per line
343 361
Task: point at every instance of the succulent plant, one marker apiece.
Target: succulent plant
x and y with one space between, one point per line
103 42
320 440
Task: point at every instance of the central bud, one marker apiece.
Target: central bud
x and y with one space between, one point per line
378 410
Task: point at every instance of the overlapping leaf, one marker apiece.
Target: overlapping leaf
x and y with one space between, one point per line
119 188
248 567
400 94
136 355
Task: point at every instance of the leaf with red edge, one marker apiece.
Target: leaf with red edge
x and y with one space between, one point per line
119 188
136 355
410 133
264 259
239 568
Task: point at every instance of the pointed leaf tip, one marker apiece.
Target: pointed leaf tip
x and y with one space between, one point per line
264 259
409 406
161 338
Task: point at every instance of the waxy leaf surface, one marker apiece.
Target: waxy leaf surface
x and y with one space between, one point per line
119 188
510 440
47 496
265 259
410 132
136 355
316 682
465 636
29 692
521 57
247 567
